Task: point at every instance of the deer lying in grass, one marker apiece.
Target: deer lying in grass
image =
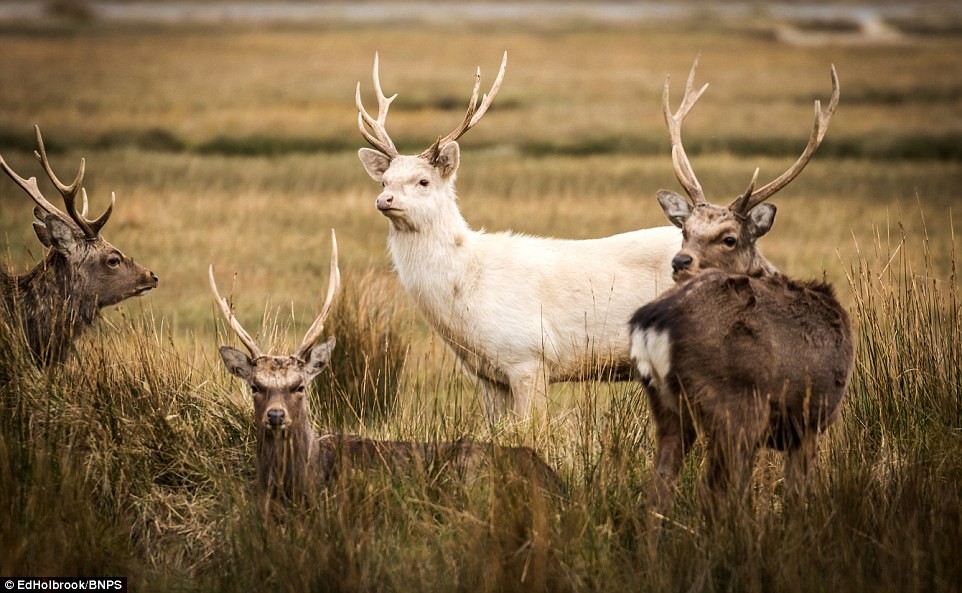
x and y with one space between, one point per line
520 312
736 349
292 458
82 273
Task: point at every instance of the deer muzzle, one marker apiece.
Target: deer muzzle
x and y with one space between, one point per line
385 202
276 419
683 266
149 281
680 262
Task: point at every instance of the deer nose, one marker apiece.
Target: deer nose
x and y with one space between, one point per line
275 418
384 202
154 278
682 261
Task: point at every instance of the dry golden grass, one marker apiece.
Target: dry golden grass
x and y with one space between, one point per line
236 146
108 94
152 110
99 87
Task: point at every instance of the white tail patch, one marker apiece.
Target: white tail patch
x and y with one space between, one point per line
651 352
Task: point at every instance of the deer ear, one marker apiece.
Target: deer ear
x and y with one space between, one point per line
448 159
676 208
237 363
318 358
58 234
39 227
42 234
375 163
760 220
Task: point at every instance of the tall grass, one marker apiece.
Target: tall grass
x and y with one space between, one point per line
136 459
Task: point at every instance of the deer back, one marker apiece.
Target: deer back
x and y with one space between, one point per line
464 459
719 337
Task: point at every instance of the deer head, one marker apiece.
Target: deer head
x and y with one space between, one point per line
719 236
61 296
103 275
279 383
417 189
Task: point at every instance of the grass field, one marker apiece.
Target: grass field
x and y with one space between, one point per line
237 146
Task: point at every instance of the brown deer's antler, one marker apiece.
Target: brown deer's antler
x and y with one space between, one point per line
474 113
90 228
333 284
377 136
683 169
751 197
313 333
232 320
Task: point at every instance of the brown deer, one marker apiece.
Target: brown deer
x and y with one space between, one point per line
293 459
82 273
736 350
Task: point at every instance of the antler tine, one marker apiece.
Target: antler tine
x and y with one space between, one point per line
334 283
474 112
751 185
822 118
683 169
377 136
235 325
96 225
90 228
68 192
33 190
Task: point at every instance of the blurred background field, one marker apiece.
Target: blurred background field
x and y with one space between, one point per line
234 143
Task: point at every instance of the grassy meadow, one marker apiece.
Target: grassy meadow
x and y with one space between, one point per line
236 146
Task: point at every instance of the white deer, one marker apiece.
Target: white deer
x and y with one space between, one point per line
520 312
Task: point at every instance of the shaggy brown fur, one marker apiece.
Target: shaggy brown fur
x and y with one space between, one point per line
82 273
293 459
736 350
751 362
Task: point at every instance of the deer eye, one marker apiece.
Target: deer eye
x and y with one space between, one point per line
729 241
255 390
424 183
300 389
113 261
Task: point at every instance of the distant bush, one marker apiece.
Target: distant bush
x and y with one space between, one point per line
78 10
259 145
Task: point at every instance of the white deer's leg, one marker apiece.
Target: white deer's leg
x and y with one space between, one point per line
495 398
529 390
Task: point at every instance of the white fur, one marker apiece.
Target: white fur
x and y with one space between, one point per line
521 312
651 353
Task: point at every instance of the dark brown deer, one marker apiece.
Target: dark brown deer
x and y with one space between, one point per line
736 350
293 459
82 273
